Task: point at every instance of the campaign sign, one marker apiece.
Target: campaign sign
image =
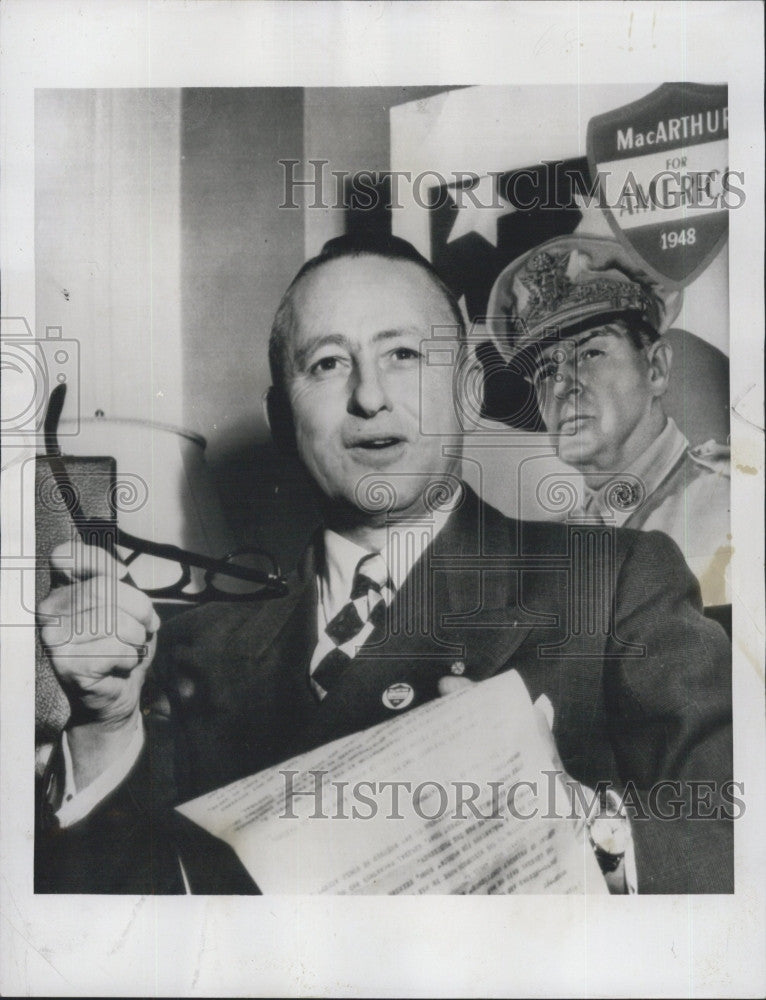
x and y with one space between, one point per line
660 168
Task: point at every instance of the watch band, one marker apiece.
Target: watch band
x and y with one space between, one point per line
607 862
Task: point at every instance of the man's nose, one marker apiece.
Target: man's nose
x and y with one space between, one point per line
368 393
566 381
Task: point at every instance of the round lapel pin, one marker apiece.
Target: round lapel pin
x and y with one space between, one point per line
398 696
458 668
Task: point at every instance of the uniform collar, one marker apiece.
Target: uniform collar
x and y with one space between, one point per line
649 470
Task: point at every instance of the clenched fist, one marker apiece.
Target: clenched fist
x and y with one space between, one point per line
99 634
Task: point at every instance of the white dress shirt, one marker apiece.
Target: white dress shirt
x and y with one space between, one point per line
75 805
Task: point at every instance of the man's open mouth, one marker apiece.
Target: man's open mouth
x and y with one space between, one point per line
377 444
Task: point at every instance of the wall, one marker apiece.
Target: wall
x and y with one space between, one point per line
350 128
238 251
107 245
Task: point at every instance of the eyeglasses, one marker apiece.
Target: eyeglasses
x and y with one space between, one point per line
242 575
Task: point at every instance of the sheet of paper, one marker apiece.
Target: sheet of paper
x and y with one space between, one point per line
416 805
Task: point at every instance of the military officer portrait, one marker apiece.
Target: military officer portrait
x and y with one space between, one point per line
586 326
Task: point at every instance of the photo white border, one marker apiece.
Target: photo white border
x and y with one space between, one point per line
658 946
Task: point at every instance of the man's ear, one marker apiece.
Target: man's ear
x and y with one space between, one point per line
279 416
659 356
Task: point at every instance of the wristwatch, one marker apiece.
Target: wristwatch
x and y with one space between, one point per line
609 832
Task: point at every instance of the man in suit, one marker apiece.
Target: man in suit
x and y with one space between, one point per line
413 587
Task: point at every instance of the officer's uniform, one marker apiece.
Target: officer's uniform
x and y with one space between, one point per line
682 491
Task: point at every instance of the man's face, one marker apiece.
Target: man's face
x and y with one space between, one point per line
360 390
596 392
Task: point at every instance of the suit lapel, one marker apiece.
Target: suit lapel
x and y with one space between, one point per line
478 600
268 657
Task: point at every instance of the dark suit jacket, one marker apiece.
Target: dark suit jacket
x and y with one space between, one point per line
607 623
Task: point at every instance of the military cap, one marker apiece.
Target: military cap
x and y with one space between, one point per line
569 284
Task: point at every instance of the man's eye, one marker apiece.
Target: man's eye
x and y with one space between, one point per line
325 365
591 352
406 354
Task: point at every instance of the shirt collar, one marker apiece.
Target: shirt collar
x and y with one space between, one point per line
405 546
651 468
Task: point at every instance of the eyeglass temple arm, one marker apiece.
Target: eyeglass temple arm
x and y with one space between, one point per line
107 535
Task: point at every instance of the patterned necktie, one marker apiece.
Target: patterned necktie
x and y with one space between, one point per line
371 593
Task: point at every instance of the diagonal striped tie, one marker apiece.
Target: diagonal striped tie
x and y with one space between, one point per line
371 593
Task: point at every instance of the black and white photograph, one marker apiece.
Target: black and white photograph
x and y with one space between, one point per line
383 500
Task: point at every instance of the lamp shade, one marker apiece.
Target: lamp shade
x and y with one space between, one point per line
163 491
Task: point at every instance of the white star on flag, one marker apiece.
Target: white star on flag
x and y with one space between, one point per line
594 221
479 218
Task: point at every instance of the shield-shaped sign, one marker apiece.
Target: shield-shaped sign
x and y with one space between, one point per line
660 168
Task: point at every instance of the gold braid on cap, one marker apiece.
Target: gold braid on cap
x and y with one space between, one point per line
552 294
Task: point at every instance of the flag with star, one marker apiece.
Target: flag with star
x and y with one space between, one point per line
479 225
476 229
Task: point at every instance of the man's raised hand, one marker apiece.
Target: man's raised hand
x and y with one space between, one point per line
99 634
